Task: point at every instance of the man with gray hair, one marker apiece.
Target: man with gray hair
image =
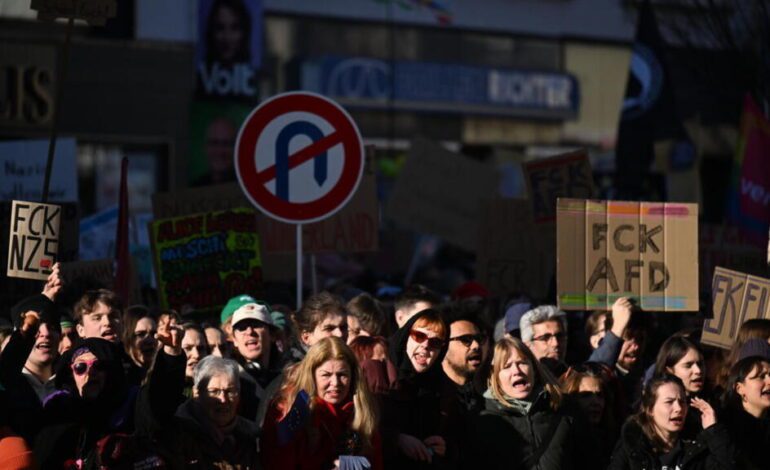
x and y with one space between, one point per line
544 330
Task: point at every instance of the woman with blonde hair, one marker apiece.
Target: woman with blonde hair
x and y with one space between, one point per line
524 423
322 414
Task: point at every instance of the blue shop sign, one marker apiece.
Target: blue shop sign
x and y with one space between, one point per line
446 88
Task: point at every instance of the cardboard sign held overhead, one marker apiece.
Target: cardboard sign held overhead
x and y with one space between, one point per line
644 250
34 239
439 192
514 254
737 297
567 175
202 260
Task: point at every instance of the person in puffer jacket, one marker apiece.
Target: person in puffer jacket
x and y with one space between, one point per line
525 424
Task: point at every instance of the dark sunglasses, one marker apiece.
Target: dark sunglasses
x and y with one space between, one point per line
83 367
420 337
467 340
245 324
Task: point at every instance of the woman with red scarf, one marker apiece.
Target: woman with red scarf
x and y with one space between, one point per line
324 416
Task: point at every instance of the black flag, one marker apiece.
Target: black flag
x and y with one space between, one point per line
649 110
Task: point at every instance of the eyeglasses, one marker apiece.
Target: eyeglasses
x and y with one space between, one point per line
84 367
230 394
141 334
420 337
549 336
467 340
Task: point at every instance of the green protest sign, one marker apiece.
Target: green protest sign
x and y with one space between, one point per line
201 260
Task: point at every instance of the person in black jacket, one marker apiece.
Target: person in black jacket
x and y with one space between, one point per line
747 405
418 427
524 424
652 438
92 401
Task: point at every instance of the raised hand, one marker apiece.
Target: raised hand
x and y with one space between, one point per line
707 416
54 283
170 336
621 315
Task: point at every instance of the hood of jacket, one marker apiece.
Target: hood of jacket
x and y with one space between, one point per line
400 359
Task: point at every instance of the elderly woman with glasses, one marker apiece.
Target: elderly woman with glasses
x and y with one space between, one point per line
419 429
205 431
524 424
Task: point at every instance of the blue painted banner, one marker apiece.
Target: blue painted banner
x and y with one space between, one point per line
445 88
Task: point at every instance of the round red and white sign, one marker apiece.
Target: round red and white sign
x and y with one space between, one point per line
299 157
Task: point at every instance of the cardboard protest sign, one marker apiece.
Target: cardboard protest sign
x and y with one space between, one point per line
353 229
22 169
34 239
644 250
514 254
202 260
567 175
737 297
439 192
101 272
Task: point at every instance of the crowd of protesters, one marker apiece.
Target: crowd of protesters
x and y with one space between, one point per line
416 381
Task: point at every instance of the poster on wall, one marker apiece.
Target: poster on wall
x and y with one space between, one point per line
229 47
213 130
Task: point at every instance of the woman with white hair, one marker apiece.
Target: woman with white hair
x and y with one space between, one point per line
205 431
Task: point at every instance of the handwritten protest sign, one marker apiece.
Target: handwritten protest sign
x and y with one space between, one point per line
514 254
353 229
644 250
737 297
567 175
202 260
99 272
34 239
439 192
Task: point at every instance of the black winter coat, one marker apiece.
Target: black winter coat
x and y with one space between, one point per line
712 450
417 408
751 437
503 438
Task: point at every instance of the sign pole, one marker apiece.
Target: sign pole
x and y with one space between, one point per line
313 274
299 266
57 104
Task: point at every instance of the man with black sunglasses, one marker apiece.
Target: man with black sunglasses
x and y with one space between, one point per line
464 367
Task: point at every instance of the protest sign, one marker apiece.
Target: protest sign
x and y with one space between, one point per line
22 169
737 297
202 260
100 272
439 192
353 229
567 175
514 254
644 250
34 239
